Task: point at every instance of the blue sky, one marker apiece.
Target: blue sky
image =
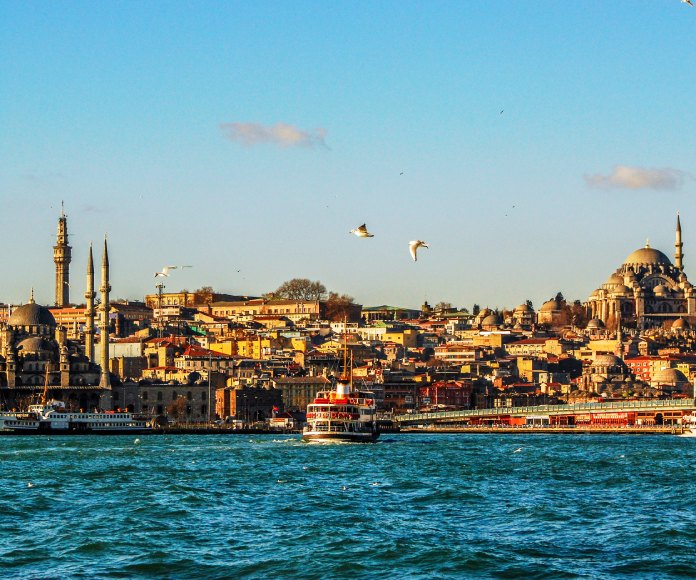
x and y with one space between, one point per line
253 136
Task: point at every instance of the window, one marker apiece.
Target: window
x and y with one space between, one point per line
144 395
189 395
159 395
173 395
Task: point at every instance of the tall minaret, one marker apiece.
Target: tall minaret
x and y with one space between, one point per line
678 254
89 308
104 380
61 257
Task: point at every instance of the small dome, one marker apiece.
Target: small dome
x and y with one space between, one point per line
680 324
614 280
522 308
661 290
595 324
31 314
492 320
647 256
621 289
551 305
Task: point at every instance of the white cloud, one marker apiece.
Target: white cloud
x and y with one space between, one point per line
280 134
623 177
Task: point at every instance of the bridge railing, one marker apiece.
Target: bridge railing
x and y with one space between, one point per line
673 404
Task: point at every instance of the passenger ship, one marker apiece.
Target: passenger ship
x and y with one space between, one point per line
342 414
51 417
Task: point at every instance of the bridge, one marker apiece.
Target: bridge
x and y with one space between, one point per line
685 406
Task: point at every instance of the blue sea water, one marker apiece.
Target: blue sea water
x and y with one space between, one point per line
409 506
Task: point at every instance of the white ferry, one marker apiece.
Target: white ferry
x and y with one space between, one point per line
51 417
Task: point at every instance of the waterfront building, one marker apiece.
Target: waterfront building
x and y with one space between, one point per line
298 392
248 403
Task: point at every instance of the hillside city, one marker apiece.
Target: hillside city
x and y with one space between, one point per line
201 356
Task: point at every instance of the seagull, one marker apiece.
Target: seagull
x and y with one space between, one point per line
413 247
362 232
165 271
501 111
689 2
30 484
517 450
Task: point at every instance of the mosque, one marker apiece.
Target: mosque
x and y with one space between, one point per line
646 291
35 353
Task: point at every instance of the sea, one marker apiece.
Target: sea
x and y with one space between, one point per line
408 506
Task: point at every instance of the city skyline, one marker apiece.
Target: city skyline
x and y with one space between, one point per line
532 146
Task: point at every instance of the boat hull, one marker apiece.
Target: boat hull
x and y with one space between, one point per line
347 437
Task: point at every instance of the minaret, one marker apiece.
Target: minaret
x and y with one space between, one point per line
89 309
678 254
62 257
104 380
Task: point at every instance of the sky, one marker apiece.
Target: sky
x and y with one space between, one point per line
533 145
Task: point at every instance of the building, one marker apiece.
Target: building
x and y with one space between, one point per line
646 291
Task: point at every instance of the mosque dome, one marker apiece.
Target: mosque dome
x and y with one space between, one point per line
647 256
33 345
680 324
607 360
492 320
669 377
661 290
595 324
551 305
522 308
614 280
31 314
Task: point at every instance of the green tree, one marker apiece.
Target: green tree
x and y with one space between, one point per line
475 310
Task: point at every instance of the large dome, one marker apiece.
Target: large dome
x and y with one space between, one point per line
669 377
31 315
647 256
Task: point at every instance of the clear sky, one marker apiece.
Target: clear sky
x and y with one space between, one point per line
248 138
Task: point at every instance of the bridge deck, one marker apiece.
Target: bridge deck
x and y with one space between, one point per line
548 410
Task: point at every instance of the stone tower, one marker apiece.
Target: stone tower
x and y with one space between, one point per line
678 245
62 257
104 307
89 308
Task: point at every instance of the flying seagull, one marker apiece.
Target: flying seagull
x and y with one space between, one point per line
362 232
165 271
413 247
689 2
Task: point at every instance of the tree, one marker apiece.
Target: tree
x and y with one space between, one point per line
203 295
301 289
178 408
529 303
443 306
339 307
475 310
559 297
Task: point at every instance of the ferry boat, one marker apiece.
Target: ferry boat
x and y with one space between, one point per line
51 417
342 414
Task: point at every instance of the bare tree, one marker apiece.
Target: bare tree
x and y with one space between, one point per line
301 289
